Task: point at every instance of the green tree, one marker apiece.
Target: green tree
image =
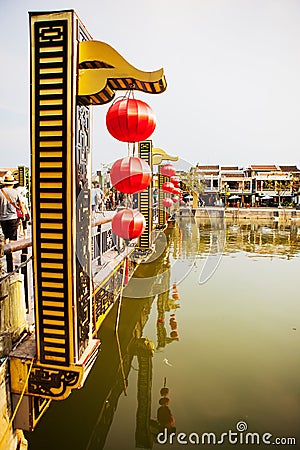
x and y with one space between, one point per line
280 187
192 183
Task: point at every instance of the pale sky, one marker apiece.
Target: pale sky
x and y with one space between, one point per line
232 68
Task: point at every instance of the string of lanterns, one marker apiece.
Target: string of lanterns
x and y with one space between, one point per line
170 187
130 120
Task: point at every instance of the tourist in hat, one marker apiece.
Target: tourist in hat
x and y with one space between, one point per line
9 200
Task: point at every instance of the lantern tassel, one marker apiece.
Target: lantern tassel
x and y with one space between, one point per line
126 272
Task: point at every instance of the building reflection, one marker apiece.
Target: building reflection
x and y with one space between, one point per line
185 237
262 238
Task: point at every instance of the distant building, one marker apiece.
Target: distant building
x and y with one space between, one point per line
272 185
253 185
210 176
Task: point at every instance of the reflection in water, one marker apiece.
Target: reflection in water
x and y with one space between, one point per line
166 304
267 238
165 418
228 347
84 419
164 414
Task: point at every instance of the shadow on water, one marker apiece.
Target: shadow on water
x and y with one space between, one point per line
82 422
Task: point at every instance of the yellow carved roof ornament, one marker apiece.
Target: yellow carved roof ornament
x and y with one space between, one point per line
159 155
102 71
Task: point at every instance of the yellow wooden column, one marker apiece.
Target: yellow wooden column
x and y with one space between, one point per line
145 200
61 173
158 156
69 73
162 214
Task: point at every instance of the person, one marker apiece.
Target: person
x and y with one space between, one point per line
97 198
24 221
9 199
120 198
111 200
135 201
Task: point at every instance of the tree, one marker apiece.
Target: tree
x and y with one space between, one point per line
192 183
280 187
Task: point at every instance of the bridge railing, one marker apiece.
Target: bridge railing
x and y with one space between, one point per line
21 267
103 241
14 295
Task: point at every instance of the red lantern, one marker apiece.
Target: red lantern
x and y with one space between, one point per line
167 202
175 198
130 175
167 170
175 181
130 120
128 223
177 191
168 187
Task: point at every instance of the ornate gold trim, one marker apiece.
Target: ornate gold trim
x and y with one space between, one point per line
102 70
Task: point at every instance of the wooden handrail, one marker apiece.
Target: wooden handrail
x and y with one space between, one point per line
98 222
15 246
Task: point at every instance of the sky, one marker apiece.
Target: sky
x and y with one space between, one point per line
232 68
